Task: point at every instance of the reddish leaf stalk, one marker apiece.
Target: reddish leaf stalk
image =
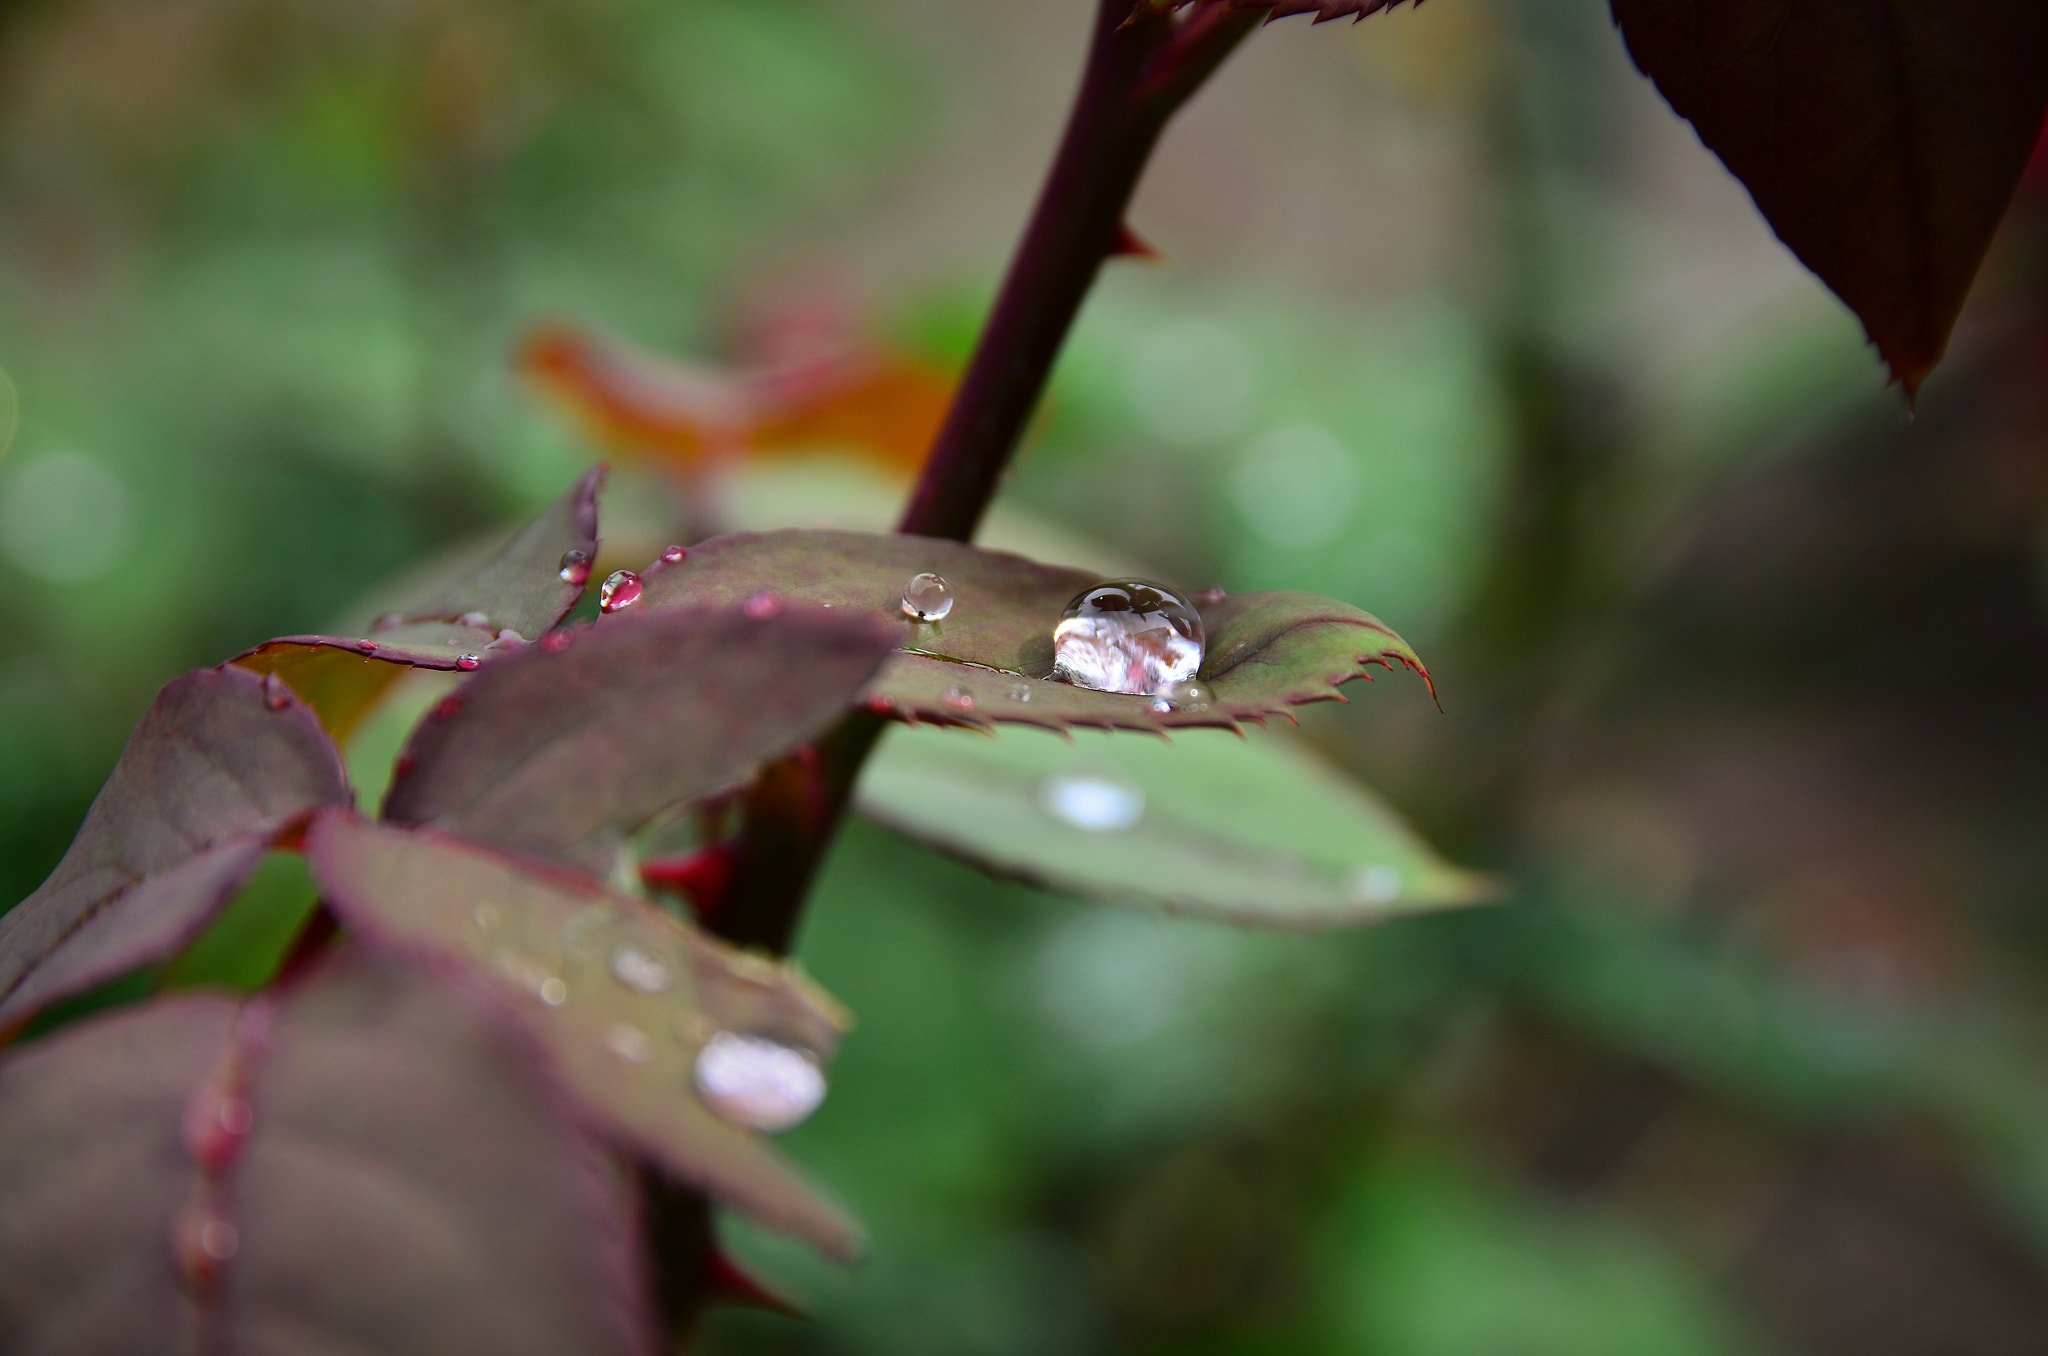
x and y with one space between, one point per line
1142 66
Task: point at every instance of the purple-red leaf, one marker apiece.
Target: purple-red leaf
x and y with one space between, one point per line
369 1162
479 613
1882 139
564 750
1324 10
990 658
223 763
622 993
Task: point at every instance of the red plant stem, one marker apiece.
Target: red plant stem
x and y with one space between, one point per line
1142 65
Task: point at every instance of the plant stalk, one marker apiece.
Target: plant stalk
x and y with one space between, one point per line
1142 66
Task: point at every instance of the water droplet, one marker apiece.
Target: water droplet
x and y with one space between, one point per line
1186 695
553 992
575 567
467 662
881 706
759 1082
1091 801
673 555
508 638
554 642
390 621
630 1043
622 589
636 969
762 606
276 694
1128 636
367 646
927 598
477 620
1020 692
958 698
1379 884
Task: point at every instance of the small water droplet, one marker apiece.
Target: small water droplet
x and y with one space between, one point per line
367 646
487 916
673 555
1128 635
958 699
1091 801
621 589
636 969
630 1043
553 992
467 662
758 1082
390 621
1184 696
554 642
927 598
881 706
508 638
762 606
1380 884
477 620
276 694
1020 692
575 567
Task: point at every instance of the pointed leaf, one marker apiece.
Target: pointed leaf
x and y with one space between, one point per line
1324 10
1882 139
622 993
991 658
368 1163
484 612
1254 831
565 749
223 763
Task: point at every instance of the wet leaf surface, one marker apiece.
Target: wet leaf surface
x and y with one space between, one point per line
622 993
445 623
222 763
1882 139
1266 652
1324 10
1257 831
564 753
368 1162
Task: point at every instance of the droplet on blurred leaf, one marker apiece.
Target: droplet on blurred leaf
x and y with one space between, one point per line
1128 636
467 662
575 567
637 970
622 589
758 1082
958 699
927 598
673 555
1090 801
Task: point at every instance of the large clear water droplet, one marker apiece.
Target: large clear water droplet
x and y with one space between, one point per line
636 969
759 1082
927 598
1092 801
1128 636
575 567
621 589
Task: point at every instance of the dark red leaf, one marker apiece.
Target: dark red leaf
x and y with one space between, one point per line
563 752
475 615
622 993
370 1163
1882 139
222 764
1324 10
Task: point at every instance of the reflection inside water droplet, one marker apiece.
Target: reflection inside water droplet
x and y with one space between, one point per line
927 598
1379 884
621 589
759 1082
467 662
1091 801
630 1043
575 567
1128 636
958 699
1183 696
636 969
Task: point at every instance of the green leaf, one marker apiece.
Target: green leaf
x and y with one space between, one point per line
562 948
567 749
1254 830
366 1162
480 613
222 764
991 658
